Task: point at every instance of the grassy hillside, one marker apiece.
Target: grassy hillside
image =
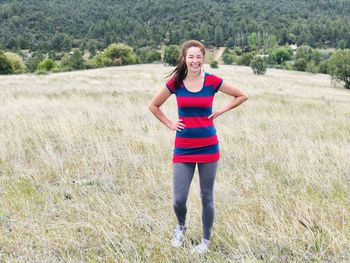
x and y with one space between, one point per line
85 169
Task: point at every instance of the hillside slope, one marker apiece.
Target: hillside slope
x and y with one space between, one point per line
57 25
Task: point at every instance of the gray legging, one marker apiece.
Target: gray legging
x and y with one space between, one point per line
182 178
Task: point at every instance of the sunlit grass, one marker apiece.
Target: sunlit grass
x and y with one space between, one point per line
85 169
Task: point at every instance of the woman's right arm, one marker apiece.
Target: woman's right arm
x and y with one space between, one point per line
154 107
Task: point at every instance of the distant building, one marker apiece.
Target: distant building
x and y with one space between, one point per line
26 53
294 48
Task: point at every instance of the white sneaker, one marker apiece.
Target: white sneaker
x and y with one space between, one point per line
179 236
202 248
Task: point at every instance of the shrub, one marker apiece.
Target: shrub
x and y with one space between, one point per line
312 67
41 72
214 64
100 60
323 67
300 64
281 54
245 59
258 66
115 55
6 66
32 63
304 52
229 57
152 56
46 65
76 60
171 54
339 66
121 54
17 62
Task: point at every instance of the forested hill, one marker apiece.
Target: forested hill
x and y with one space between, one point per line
63 24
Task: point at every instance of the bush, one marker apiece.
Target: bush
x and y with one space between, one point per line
76 60
90 65
100 60
245 59
32 63
121 54
304 52
41 72
339 66
258 66
281 54
300 64
312 67
17 62
153 56
229 57
58 69
46 65
171 54
288 66
214 64
6 66
238 51
323 67
115 55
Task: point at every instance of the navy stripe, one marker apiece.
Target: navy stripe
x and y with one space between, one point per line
202 132
207 90
198 150
194 112
169 88
218 87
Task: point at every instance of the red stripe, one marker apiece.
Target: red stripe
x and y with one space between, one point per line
197 122
195 142
203 102
199 158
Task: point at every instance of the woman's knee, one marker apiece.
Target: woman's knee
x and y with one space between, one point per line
179 202
207 198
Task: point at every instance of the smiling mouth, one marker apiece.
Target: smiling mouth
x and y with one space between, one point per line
195 65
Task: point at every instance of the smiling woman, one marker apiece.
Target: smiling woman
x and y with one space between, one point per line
196 142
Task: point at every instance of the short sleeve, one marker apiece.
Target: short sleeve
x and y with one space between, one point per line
170 84
217 81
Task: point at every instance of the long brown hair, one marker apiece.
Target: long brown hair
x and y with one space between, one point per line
180 71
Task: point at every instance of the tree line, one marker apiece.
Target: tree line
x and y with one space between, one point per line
304 58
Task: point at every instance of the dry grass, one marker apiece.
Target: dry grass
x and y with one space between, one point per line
85 169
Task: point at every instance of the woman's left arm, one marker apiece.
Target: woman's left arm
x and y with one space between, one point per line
239 98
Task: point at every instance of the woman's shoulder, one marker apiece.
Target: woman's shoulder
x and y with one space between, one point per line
212 77
213 80
170 84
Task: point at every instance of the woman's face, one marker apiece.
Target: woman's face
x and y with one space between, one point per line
194 59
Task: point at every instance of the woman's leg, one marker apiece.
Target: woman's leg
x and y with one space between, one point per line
182 178
207 173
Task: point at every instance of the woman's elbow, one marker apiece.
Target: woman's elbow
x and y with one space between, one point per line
152 107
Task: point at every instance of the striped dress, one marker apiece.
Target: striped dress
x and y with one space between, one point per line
198 141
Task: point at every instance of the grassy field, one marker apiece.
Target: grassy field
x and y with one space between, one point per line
86 173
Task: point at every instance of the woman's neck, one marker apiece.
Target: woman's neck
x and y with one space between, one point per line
194 75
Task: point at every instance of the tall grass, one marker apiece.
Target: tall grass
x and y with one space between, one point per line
86 173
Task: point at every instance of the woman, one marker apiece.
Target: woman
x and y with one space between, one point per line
196 141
